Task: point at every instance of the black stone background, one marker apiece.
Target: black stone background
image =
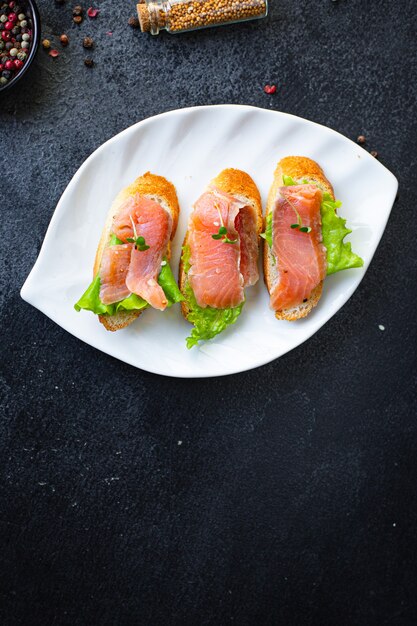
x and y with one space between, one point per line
292 498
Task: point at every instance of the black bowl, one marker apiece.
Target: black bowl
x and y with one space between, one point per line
30 6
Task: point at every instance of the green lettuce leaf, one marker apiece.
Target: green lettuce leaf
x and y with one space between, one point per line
208 322
90 301
339 253
267 235
169 284
288 181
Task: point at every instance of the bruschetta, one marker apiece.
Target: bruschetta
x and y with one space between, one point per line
131 269
303 238
220 254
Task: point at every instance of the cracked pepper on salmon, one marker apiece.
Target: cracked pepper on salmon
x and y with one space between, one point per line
124 269
301 256
220 271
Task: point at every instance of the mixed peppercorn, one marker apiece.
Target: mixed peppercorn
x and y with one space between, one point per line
87 42
15 39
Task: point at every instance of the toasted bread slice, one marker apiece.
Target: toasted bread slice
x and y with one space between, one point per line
240 185
162 191
300 169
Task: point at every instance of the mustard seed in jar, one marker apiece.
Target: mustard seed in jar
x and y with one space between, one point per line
177 16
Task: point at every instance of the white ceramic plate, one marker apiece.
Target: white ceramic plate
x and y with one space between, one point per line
189 147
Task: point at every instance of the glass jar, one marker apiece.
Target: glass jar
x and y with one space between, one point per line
178 16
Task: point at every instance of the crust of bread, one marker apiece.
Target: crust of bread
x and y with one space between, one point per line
162 191
240 185
299 168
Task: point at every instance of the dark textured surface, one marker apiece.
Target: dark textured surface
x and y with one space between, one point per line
292 497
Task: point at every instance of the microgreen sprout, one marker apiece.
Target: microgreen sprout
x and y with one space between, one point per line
222 232
298 224
140 243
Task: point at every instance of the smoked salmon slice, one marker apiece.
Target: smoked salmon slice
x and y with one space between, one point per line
136 271
300 256
113 271
219 270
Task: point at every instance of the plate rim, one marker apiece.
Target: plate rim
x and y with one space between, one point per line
25 291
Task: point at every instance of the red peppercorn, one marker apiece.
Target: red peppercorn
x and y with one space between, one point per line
12 4
9 65
5 35
270 89
1 67
9 25
18 64
12 17
91 12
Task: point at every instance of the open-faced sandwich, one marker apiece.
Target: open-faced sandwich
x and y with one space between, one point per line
131 268
304 238
220 254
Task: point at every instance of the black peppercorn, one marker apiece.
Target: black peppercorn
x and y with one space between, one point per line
78 10
374 153
361 139
89 62
88 42
133 22
77 19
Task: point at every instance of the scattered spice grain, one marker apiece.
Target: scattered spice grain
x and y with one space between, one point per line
361 139
88 42
77 19
88 62
374 153
64 40
46 44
